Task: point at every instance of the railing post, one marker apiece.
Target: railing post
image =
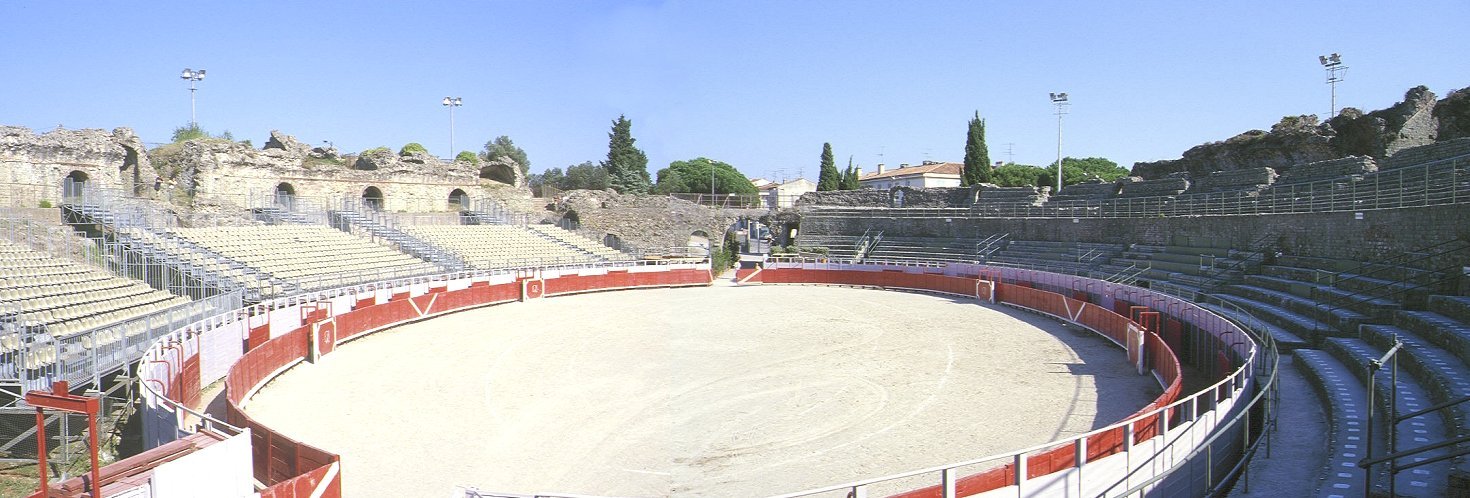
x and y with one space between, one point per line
947 482
1021 471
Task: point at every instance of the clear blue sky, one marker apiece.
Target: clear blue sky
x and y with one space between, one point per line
757 84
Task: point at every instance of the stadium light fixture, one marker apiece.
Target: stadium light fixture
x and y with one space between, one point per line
1333 65
1059 100
193 77
451 103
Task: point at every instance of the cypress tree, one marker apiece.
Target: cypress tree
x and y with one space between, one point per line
977 156
828 178
850 176
627 167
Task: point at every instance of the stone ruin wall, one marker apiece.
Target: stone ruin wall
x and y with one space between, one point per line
216 176
33 166
647 222
1419 120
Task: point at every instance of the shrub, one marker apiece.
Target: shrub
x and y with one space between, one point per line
45 203
412 148
375 150
467 156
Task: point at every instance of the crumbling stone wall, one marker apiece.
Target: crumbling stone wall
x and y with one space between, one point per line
221 175
646 222
115 159
1416 121
1243 179
1326 170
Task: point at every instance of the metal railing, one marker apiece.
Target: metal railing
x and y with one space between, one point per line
1435 183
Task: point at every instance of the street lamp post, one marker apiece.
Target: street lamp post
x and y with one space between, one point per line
1059 100
193 77
1333 65
451 103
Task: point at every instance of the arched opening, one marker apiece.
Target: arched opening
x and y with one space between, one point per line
285 196
72 185
499 172
372 198
458 200
613 241
130 162
699 239
570 221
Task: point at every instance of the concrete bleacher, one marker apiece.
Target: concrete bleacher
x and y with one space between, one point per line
580 243
1248 180
1427 153
1084 192
504 246
920 249
1346 169
1162 187
1079 258
306 253
990 195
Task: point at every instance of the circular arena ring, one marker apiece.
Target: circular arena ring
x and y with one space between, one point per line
1176 445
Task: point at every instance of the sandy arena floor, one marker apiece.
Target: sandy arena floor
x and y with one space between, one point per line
720 391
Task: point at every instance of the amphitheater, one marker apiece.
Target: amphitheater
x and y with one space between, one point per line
257 324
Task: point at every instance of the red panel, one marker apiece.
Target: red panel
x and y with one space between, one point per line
189 382
258 336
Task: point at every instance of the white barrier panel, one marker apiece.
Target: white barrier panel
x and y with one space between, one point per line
458 284
223 468
418 289
592 272
382 295
218 349
342 304
285 320
502 278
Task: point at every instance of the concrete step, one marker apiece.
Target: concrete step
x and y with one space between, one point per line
1285 340
1427 480
1341 318
1441 373
1456 307
1305 327
1346 400
1447 333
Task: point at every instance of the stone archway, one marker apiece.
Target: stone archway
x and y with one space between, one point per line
699 239
458 200
73 184
372 198
613 241
285 195
502 173
570 220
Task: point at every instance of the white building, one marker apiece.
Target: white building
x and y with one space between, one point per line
929 174
785 194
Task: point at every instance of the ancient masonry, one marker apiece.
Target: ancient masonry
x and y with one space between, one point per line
211 174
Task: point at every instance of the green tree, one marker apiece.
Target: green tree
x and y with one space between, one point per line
412 148
977 155
469 157
693 176
587 176
190 131
827 177
1076 170
850 177
626 167
1018 175
553 178
503 148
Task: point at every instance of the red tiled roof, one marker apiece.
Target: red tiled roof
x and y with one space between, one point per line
935 169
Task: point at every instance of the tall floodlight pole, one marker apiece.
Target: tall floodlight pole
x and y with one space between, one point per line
451 103
193 77
1059 100
1333 65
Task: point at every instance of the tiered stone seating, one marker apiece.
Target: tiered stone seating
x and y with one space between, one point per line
1344 169
50 299
500 246
307 253
581 243
1426 153
1062 257
1249 179
1161 187
1082 192
990 195
1346 400
843 247
1412 397
917 249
